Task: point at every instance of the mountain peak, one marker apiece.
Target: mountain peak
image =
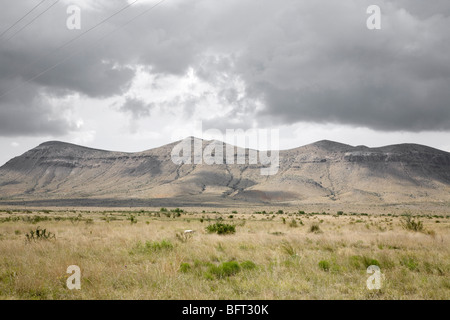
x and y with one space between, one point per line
331 145
53 143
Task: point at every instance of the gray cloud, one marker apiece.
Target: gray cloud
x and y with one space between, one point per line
30 113
137 108
302 60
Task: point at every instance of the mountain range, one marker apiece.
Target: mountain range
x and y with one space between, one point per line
321 172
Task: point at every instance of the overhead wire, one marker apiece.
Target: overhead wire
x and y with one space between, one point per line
23 17
96 42
34 19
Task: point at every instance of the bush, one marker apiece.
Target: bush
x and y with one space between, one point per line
410 224
293 224
132 219
39 234
221 228
324 265
315 228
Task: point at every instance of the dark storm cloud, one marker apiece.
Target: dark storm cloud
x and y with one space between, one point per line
29 113
300 60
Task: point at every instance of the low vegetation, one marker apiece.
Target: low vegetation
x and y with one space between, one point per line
409 223
253 255
221 228
39 234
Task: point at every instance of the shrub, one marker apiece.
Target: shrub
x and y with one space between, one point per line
315 228
410 224
39 234
293 224
221 228
132 219
324 265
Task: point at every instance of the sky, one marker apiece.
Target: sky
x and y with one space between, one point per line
139 74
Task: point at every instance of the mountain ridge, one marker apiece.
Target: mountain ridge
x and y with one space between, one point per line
322 172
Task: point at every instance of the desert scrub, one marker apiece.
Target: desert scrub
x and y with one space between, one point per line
409 223
293 223
221 228
315 228
132 219
39 234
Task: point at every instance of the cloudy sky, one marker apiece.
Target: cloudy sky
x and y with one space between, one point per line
137 77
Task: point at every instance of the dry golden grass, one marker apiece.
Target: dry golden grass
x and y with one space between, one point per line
116 263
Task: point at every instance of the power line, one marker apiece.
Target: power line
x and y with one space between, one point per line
26 15
94 27
74 39
81 49
12 36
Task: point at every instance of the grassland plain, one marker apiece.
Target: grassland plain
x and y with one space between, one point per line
290 254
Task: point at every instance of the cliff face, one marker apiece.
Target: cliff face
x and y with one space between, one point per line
317 173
